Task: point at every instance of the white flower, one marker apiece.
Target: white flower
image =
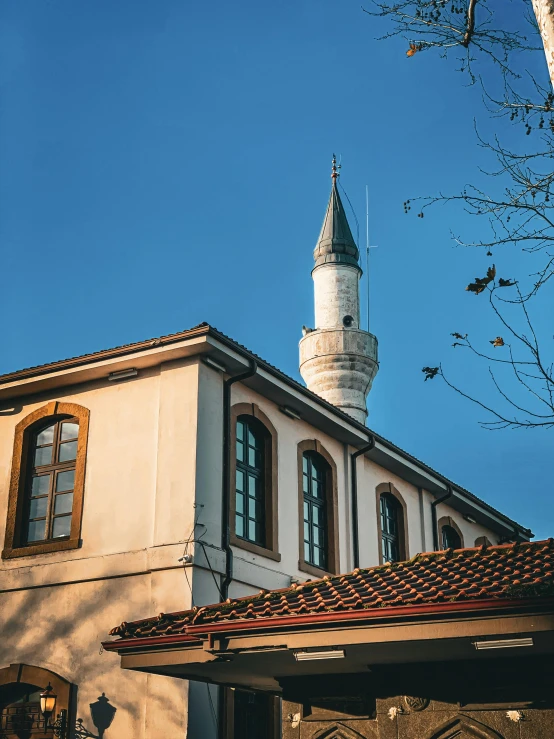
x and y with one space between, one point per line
514 715
392 712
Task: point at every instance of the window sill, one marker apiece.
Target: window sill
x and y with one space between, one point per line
41 548
249 546
313 570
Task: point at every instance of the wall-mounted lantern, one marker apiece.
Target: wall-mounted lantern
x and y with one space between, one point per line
47 707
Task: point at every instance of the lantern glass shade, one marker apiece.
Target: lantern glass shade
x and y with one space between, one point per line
48 701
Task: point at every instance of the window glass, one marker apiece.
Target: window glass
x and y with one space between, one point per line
36 530
41 485
43 455
61 527
450 538
70 430
65 481
46 436
68 451
38 507
314 480
390 512
50 482
250 481
63 503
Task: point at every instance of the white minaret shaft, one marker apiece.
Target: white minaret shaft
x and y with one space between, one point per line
338 360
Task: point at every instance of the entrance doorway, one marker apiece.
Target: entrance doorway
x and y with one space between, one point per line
20 714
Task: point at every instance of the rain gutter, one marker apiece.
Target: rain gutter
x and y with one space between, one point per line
226 486
434 524
354 497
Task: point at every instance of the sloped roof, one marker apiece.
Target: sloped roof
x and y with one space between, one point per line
207 329
508 571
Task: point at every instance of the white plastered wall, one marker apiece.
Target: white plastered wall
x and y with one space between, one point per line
419 517
253 571
290 433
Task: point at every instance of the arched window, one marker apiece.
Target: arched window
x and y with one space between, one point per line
250 481
450 534
314 488
482 541
47 482
50 481
391 524
450 538
253 504
390 540
318 509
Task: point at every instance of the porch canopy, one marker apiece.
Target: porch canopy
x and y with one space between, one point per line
467 607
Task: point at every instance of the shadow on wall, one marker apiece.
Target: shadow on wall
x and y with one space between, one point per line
102 713
59 614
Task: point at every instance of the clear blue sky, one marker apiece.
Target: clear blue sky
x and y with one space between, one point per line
167 163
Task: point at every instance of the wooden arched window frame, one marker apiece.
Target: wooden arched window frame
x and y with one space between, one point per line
390 493
268 477
15 544
312 449
15 681
448 532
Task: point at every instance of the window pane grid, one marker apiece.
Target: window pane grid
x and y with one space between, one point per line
315 535
249 490
51 482
390 544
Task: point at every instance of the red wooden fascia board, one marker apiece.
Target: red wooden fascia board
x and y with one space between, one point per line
133 642
393 612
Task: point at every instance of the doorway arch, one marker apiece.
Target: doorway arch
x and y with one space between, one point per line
20 688
463 727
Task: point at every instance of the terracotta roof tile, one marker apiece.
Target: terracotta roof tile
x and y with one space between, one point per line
523 570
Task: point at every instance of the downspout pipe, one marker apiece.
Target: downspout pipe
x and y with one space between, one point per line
434 504
226 483
354 497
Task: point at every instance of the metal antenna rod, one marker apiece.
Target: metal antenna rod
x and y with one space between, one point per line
367 247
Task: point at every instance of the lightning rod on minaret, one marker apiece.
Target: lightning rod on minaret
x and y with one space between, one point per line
367 248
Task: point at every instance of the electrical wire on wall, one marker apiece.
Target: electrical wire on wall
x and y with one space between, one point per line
186 556
185 559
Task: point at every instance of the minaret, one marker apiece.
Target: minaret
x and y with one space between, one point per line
338 359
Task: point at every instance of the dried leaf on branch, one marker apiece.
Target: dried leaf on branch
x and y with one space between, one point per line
481 283
430 372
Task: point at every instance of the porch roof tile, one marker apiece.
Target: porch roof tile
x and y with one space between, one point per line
506 571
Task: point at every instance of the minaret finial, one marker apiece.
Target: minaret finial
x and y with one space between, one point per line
335 169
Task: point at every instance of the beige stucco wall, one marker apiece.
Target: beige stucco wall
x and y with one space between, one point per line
60 628
56 608
141 460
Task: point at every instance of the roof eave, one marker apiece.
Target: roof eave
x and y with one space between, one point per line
36 380
195 636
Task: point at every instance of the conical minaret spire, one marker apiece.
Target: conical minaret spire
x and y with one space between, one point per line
338 360
336 243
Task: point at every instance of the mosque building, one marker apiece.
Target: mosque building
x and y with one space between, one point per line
170 474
